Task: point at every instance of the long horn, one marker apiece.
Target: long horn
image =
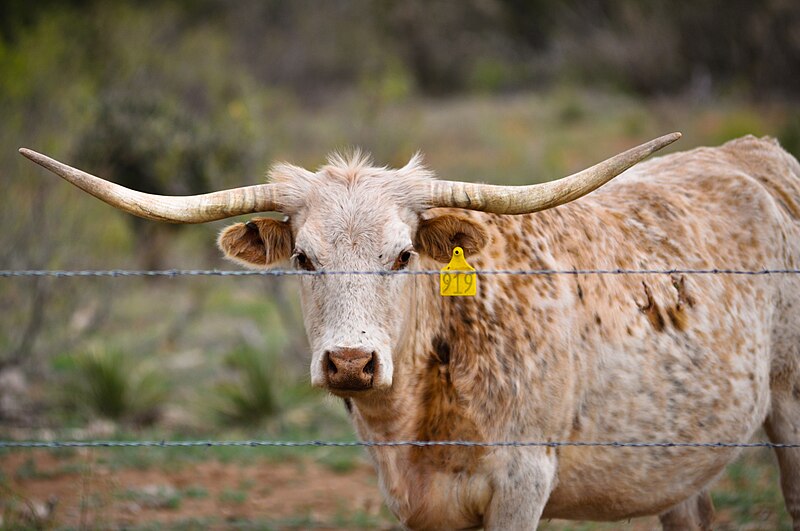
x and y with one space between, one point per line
536 197
173 209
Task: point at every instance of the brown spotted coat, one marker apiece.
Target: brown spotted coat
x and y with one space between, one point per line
641 357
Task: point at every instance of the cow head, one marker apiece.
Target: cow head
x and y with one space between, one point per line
352 216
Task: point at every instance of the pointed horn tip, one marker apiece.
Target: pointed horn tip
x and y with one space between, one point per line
660 142
672 137
32 155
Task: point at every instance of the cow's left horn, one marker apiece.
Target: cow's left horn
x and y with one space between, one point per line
174 209
536 197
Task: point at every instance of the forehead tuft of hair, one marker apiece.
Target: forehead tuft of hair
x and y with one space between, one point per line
409 185
351 161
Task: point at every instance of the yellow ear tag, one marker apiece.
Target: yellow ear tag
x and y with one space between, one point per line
458 278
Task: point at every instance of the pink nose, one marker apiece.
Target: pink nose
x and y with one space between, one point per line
350 369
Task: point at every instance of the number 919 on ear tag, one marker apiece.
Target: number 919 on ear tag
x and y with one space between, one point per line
458 278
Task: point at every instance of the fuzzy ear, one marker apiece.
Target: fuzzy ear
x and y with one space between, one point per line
258 243
437 236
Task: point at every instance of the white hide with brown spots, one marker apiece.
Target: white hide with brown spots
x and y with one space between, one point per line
561 357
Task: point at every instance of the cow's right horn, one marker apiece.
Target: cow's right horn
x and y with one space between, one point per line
174 209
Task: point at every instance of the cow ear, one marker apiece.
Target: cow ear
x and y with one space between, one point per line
259 243
436 237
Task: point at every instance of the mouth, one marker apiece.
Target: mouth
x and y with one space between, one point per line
347 386
349 393
357 391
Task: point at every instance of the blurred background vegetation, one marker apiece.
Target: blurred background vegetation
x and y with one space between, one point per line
185 96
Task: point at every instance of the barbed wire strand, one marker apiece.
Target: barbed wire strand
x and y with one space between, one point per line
277 273
384 444
283 272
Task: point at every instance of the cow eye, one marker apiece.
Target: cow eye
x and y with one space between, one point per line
303 262
401 262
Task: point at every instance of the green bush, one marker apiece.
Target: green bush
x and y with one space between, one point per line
789 135
251 396
109 384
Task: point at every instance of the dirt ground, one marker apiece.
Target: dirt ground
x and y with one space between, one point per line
46 491
77 493
83 490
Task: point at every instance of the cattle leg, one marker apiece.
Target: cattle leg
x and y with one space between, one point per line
696 513
520 491
783 426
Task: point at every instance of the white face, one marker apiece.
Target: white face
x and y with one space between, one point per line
351 216
359 315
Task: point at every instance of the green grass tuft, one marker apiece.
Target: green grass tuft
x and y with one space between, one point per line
107 383
251 397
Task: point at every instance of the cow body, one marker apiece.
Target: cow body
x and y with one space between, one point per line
600 358
554 357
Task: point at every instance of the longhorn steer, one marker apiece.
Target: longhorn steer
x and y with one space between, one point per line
547 357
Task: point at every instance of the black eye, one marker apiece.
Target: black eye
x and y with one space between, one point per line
401 262
303 261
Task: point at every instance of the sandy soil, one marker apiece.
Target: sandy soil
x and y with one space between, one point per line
46 491
277 495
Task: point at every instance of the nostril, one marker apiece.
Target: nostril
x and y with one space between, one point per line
369 368
332 368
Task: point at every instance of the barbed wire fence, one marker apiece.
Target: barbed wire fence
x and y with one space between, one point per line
300 273
174 273
384 444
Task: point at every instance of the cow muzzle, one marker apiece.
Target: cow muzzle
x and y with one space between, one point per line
350 369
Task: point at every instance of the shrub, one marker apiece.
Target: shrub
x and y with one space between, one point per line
789 135
250 397
110 384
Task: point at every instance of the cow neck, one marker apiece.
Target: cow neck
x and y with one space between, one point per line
421 367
